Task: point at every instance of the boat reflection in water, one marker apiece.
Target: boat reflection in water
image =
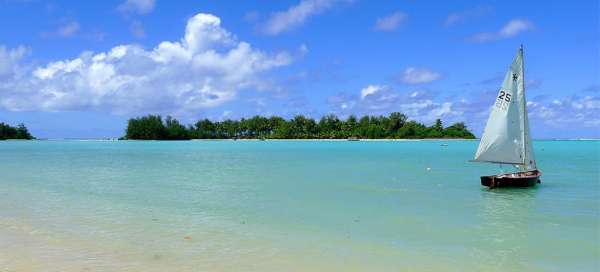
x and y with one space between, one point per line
507 221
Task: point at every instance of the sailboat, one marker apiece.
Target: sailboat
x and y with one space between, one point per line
506 138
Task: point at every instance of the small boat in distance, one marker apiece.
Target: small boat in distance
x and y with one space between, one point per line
506 138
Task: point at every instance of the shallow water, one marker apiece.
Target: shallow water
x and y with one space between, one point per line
292 206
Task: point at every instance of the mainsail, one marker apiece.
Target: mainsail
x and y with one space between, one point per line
506 135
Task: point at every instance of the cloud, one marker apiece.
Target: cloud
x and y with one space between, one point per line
95 35
390 22
592 89
574 112
568 112
342 102
137 29
381 99
457 17
511 29
495 79
251 16
136 6
9 59
205 68
295 15
514 27
68 28
369 90
414 75
533 84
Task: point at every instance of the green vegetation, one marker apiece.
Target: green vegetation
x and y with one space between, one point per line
19 132
394 126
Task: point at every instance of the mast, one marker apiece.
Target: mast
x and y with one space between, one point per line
524 108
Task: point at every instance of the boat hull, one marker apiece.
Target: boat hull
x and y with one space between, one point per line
519 179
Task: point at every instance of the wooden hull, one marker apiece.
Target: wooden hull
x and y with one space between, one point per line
519 179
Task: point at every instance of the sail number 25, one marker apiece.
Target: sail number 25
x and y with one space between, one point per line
505 96
503 100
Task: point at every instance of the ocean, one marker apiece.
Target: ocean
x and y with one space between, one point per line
69 205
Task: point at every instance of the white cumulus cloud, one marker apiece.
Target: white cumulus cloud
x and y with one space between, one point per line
369 90
412 75
390 22
295 15
205 68
510 29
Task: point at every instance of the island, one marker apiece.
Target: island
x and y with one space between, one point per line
394 126
19 132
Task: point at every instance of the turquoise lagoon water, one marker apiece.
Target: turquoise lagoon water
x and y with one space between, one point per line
292 206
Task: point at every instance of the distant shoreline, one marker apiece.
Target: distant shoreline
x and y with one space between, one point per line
250 140
339 140
280 140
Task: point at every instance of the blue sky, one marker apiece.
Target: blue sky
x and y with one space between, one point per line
82 68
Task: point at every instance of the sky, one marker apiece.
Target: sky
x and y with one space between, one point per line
81 69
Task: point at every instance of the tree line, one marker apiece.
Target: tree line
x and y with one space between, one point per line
394 126
18 132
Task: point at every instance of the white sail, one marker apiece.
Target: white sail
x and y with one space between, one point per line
504 136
